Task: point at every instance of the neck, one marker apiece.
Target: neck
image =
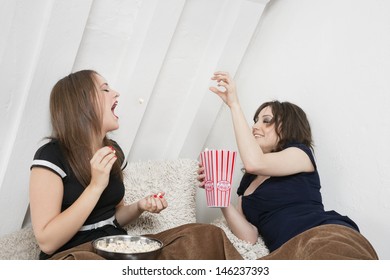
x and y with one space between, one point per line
98 144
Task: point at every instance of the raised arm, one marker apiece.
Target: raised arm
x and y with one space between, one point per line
257 158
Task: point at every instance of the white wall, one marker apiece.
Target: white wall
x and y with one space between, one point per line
332 58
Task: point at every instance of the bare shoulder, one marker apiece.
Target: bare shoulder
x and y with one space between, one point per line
45 180
299 157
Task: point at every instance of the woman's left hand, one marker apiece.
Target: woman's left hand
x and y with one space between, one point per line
154 203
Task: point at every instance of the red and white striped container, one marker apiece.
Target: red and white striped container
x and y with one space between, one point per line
219 168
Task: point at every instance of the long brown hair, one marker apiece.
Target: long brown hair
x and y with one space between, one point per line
76 118
291 123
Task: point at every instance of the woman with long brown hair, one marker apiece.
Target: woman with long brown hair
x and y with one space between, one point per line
76 181
279 194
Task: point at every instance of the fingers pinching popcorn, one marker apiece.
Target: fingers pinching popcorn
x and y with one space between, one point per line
154 203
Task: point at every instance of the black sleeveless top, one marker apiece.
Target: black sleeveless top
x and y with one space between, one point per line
283 207
50 156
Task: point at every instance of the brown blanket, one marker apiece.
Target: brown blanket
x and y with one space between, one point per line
326 242
186 242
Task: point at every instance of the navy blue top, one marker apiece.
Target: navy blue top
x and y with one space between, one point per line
283 207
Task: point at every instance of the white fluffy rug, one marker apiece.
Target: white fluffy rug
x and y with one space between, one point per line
247 250
177 178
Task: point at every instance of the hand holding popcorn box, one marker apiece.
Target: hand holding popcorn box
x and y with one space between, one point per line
219 168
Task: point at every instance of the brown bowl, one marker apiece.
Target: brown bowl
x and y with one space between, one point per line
127 247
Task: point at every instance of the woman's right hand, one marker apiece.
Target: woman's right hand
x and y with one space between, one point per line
229 93
101 165
201 176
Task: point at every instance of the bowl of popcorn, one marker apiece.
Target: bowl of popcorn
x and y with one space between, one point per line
127 247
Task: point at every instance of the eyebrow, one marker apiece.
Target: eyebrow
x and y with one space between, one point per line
104 84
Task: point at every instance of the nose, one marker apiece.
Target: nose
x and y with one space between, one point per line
256 125
116 94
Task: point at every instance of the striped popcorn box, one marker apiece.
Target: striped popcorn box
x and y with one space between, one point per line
219 168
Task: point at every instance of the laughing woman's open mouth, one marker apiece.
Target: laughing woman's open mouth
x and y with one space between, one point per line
113 109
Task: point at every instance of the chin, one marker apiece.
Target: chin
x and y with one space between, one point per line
112 128
115 128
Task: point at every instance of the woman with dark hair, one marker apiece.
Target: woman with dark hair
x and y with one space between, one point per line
279 194
76 182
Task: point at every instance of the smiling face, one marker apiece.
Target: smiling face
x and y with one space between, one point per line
108 101
264 130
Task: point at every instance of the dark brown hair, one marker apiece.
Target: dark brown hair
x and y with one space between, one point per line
76 118
291 123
